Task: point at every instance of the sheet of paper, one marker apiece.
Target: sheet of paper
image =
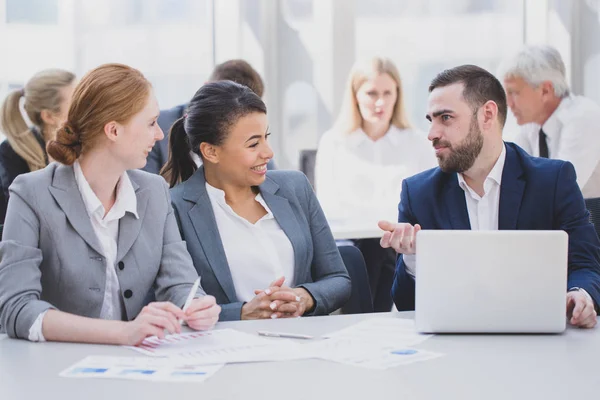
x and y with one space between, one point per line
339 348
377 343
385 358
221 346
141 368
396 332
366 354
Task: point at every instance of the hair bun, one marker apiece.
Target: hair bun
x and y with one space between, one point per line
69 136
66 148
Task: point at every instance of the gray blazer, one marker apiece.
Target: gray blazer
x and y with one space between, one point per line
318 265
50 256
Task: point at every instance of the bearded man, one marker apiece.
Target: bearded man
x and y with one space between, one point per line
484 183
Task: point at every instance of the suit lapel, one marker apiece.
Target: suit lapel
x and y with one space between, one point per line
285 217
203 220
456 204
65 192
511 191
129 225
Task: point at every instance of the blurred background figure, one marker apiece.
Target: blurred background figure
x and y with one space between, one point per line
238 71
363 159
554 122
47 96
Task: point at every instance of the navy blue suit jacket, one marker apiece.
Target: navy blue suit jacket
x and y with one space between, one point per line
160 152
535 194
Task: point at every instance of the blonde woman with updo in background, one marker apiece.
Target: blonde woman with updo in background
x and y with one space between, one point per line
46 101
363 159
87 237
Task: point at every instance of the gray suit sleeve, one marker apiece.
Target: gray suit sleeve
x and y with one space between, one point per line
231 311
331 283
20 260
177 273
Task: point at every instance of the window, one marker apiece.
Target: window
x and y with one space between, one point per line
13 86
427 36
32 11
168 40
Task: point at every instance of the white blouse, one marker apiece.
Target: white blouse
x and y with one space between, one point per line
258 253
359 180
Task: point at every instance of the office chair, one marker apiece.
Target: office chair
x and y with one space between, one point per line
593 206
360 298
307 164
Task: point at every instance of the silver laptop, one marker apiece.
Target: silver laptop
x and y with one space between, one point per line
491 281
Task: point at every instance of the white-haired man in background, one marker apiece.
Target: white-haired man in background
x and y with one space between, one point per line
554 123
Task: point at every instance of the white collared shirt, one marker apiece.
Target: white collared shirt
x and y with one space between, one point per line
107 232
482 210
358 179
258 253
572 135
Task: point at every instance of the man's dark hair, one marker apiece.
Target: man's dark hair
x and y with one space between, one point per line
480 87
239 71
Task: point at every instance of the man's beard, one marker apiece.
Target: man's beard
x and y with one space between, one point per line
462 156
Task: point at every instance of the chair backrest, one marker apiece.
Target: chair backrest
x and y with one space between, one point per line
307 164
360 297
593 206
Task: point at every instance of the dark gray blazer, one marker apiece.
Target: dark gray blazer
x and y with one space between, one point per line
50 256
318 265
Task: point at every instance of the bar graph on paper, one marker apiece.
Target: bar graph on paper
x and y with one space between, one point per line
219 346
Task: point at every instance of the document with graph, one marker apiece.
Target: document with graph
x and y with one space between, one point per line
141 369
220 346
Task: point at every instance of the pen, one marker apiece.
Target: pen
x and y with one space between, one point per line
284 335
190 297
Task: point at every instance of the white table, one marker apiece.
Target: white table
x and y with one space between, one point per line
474 367
355 231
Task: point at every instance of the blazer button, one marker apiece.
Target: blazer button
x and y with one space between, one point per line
128 293
121 265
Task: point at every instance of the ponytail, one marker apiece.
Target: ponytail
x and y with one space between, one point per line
180 165
22 139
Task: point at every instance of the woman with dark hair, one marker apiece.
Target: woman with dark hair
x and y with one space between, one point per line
86 238
258 238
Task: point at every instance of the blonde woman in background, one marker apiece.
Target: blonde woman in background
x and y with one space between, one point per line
47 96
363 159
